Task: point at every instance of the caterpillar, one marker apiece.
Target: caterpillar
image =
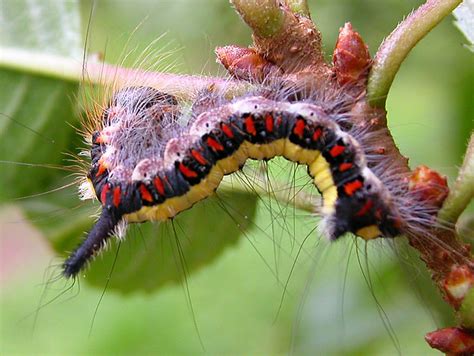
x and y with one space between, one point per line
138 173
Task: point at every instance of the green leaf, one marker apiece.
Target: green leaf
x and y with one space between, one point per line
50 26
36 110
35 132
464 14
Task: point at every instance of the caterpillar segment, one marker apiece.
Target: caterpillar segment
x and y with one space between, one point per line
218 142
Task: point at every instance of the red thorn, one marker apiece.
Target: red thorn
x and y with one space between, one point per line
459 281
428 185
380 150
452 341
351 56
244 63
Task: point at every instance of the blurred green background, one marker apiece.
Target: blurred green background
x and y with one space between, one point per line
342 298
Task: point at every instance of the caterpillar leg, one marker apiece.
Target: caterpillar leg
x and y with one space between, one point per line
93 243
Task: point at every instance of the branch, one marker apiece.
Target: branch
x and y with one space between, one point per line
398 44
299 7
263 16
100 73
463 190
283 37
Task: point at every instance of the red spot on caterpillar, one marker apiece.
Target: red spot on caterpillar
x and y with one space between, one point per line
345 166
227 131
250 125
198 157
157 182
117 196
317 134
269 123
351 187
101 170
299 128
145 194
216 146
99 140
336 150
279 120
103 193
366 208
188 173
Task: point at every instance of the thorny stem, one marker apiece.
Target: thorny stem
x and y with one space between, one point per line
398 44
284 38
463 190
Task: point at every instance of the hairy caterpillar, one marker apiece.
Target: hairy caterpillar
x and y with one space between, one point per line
139 172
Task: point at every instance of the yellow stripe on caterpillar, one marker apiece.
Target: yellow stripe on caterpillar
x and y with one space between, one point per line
265 151
319 165
172 206
329 200
296 153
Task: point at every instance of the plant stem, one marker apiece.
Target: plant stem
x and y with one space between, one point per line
463 190
68 69
395 48
299 7
263 16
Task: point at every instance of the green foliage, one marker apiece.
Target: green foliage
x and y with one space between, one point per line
39 112
35 108
236 298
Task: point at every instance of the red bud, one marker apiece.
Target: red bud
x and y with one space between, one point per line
429 185
244 63
452 341
458 283
351 56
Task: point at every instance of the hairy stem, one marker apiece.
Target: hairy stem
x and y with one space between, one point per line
100 73
398 44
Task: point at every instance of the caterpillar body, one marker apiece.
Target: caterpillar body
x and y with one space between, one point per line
140 172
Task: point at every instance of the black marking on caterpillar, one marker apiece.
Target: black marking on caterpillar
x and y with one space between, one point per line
140 172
